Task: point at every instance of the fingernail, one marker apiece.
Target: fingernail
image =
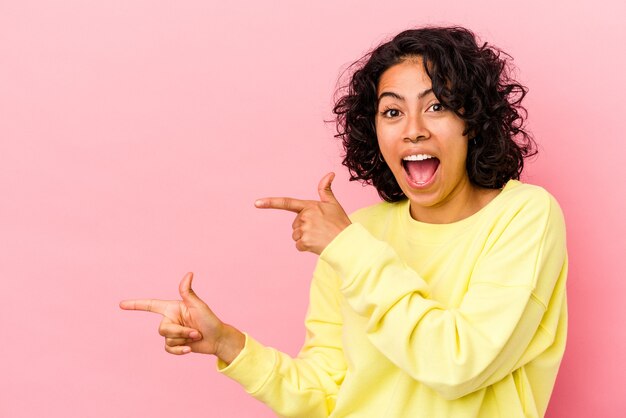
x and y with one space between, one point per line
186 350
194 334
258 203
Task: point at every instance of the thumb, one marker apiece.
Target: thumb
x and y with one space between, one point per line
186 292
324 190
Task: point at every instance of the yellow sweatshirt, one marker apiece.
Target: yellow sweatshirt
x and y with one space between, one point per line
408 319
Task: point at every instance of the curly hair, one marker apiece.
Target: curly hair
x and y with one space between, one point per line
473 81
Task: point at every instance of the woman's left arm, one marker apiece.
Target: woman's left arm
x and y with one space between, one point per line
502 323
507 317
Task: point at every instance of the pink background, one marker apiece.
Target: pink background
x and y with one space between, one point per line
135 136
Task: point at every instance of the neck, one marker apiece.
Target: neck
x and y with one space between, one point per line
462 203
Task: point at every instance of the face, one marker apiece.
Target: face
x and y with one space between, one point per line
423 144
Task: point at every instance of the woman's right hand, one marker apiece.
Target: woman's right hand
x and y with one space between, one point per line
189 325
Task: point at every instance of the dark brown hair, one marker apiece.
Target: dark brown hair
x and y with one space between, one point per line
472 80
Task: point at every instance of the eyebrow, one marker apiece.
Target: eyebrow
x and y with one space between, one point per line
399 97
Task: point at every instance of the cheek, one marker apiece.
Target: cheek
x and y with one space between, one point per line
457 157
380 138
385 149
384 137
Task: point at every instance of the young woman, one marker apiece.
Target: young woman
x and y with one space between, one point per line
446 300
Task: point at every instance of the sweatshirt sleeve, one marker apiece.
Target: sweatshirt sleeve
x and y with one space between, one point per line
456 351
305 386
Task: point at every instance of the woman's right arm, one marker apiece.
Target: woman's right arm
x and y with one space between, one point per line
305 386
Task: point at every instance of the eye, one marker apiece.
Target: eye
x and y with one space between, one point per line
390 113
437 107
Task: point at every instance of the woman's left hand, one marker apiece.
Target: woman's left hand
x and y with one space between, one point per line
317 222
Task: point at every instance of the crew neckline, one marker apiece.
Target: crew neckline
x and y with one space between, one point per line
441 232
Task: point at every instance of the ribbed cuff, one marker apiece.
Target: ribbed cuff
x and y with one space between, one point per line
252 367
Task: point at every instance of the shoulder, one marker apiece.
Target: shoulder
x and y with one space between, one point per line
379 217
377 212
518 196
528 204
517 192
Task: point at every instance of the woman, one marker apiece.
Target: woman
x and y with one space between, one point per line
446 300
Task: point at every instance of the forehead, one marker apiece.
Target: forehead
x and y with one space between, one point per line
408 76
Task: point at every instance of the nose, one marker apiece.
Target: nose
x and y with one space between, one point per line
415 129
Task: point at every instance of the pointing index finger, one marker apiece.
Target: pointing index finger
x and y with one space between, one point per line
282 203
148 305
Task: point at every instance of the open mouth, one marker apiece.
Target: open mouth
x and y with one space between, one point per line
420 168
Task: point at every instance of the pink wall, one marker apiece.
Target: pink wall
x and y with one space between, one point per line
135 136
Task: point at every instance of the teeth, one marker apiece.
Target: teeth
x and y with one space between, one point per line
417 157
